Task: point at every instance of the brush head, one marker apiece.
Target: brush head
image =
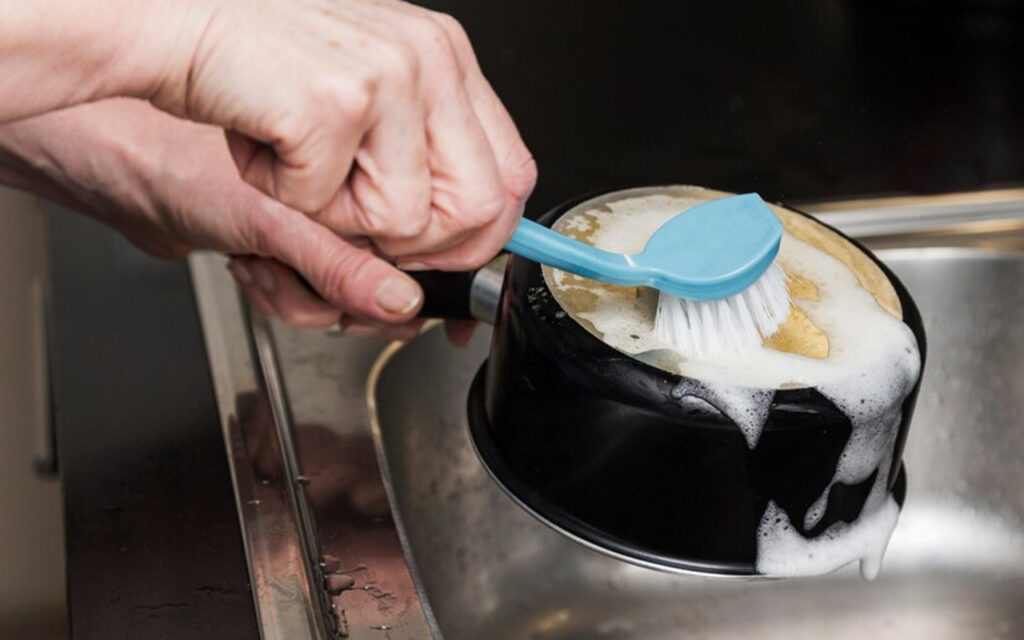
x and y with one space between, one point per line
715 250
740 322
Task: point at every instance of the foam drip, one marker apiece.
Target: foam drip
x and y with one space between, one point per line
784 553
747 408
871 366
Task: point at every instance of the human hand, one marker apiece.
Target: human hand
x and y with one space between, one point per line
371 116
170 187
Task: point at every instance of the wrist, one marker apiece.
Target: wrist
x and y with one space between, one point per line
43 155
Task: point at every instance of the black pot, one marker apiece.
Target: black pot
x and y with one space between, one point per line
593 442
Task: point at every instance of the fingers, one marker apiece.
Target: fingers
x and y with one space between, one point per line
388 191
470 226
373 119
304 175
351 279
425 178
516 166
275 289
515 162
467 193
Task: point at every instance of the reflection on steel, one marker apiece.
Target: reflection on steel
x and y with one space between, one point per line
324 555
366 576
984 218
485 294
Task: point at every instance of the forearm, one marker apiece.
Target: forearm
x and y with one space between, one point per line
58 53
163 182
115 160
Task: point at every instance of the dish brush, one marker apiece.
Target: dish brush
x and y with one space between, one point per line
721 290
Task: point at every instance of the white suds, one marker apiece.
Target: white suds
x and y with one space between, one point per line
783 552
862 336
748 408
735 324
872 365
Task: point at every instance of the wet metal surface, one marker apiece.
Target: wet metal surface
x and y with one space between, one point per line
365 573
955 567
324 556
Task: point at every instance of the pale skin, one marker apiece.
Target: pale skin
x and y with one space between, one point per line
361 139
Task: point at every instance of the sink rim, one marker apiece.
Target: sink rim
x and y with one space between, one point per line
944 252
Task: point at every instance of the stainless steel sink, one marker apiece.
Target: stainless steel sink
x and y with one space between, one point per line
418 541
955 567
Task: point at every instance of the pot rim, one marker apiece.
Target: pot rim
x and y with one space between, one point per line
910 313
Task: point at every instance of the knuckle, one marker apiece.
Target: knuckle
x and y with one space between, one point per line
400 222
472 257
378 224
343 277
452 27
298 194
348 99
523 179
255 237
482 210
399 63
286 131
434 39
416 212
414 225
295 177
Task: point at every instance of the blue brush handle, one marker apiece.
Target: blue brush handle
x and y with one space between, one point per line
546 246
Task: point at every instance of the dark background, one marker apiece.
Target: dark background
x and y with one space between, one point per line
801 99
798 99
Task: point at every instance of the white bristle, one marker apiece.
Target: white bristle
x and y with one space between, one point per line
734 324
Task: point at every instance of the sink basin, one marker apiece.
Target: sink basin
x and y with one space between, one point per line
955 565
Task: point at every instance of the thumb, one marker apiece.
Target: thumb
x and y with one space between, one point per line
351 278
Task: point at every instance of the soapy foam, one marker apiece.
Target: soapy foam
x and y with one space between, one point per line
862 334
872 365
748 408
783 552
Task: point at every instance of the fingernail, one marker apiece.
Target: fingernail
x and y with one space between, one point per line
414 266
238 270
264 279
398 294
